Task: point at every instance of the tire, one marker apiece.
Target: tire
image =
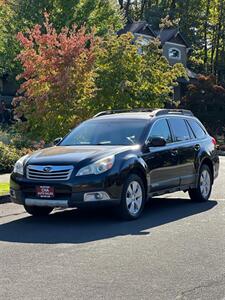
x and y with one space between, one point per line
204 187
37 211
132 205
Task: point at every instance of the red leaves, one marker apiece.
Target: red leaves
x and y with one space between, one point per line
58 70
50 52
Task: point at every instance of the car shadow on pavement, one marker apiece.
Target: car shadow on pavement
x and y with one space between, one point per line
82 226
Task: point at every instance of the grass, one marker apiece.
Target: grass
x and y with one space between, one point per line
4 189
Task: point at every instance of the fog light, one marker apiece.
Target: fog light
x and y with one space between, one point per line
12 193
96 196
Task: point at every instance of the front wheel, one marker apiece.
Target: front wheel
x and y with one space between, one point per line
204 187
133 198
37 211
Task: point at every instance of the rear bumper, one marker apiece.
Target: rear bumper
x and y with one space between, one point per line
67 194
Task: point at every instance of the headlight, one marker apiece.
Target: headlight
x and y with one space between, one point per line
98 167
19 166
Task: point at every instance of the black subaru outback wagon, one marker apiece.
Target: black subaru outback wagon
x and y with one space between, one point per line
122 158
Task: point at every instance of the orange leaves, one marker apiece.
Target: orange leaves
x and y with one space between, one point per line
57 74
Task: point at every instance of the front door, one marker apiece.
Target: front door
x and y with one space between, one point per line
162 161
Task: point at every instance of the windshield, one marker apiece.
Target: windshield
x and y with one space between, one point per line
106 132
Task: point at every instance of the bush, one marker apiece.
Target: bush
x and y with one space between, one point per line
9 155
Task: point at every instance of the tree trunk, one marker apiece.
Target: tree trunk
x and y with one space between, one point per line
205 37
127 8
219 34
143 5
121 3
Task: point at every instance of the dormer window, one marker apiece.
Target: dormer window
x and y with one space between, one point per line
174 53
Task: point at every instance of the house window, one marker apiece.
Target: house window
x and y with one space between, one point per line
174 53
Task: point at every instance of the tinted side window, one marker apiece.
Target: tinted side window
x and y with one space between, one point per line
198 130
191 133
180 130
161 129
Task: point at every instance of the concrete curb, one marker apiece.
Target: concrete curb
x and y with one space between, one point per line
4 199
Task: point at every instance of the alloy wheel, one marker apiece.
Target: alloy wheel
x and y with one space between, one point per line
134 198
205 184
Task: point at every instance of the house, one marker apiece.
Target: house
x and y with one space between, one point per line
174 47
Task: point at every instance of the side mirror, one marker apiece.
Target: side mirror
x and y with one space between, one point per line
157 141
57 141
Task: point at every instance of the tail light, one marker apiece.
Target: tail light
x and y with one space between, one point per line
214 141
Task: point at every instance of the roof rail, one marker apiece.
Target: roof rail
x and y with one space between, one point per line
119 111
161 112
154 112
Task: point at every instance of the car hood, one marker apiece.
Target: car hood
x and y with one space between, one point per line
75 154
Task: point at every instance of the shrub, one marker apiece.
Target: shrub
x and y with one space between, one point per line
9 155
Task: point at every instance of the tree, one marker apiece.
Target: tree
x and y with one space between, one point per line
128 79
202 22
71 75
58 77
207 101
20 15
104 15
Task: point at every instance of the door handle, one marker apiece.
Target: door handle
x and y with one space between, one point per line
197 147
174 152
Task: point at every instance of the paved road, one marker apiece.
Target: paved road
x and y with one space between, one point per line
176 251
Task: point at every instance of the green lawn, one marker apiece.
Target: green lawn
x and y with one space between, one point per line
4 189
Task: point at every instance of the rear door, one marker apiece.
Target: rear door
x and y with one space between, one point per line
162 161
185 142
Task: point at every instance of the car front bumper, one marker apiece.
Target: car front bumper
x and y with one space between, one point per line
76 192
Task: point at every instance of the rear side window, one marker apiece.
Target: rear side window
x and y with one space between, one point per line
197 129
191 133
161 129
180 130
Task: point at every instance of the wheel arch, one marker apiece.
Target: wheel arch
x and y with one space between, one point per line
140 173
207 161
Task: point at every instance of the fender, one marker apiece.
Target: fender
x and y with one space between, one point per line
203 156
133 163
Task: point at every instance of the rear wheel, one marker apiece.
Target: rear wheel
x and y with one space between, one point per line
38 211
204 187
133 198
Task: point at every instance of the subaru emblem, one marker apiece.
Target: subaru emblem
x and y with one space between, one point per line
47 169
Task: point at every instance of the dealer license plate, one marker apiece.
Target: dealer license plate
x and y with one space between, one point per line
44 191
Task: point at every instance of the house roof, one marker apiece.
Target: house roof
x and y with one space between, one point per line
169 34
165 35
141 27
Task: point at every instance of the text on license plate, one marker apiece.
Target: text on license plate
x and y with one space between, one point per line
45 191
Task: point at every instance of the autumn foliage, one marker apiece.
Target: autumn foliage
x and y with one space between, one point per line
71 75
207 101
57 78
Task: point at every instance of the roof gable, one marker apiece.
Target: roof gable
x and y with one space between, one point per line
172 35
141 27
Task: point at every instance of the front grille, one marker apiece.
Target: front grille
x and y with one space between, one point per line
49 173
